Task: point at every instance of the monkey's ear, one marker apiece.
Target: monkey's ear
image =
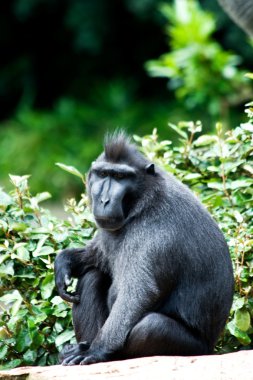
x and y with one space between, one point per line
150 169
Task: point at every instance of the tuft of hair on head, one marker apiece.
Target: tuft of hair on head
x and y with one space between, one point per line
117 146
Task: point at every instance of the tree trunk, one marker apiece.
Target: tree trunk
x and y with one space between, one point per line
241 11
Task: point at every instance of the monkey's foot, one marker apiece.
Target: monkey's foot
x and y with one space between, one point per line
87 357
73 350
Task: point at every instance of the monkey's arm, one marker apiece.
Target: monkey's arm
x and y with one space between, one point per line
73 263
133 302
138 294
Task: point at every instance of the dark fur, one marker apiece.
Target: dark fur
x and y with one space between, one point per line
116 147
161 284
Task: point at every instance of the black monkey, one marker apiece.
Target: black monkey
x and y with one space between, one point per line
157 278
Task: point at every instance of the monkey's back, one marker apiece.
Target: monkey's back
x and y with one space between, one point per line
203 291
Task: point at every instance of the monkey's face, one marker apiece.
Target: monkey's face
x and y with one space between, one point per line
112 190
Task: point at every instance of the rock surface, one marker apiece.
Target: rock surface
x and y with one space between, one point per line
216 367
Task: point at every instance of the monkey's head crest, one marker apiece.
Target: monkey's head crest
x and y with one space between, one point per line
117 146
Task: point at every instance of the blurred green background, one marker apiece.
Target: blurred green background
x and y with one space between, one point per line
70 70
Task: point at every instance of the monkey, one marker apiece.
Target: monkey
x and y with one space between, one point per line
157 277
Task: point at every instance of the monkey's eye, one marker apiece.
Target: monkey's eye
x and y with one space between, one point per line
119 175
102 174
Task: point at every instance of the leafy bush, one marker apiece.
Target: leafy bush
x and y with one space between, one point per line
36 322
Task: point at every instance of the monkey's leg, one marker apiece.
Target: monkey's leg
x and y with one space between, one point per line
90 313
158 334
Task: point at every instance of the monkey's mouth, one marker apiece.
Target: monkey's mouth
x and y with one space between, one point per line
110 224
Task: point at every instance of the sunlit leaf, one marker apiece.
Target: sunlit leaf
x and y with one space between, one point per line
178 130
242 319
70 169
43 251
17 181
205 140
5 200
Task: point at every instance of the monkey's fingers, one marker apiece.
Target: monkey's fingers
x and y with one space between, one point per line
70 297
73 360
91 359
62 282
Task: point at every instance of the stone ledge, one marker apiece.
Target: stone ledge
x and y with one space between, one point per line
215 367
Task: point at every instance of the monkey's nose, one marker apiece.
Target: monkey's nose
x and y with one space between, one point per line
105 201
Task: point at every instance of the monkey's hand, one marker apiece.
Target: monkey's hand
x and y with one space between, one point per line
63 276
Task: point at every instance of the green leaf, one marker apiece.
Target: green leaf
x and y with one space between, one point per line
191 176
19 181
41 249
178 131
16 306
37 340
23 340
60 236
47 286
214 169
11 364
64 337
41 242
14 298
238 216
205 140
3 352
23 254
247 127
18 227
5 200
242 319
4 257
4 333
11 297
241 183
60 313
38 316
70 169
240 335
30 356
238 303
7 269
44 251
57 300
232 166
248 168
215 185
41 197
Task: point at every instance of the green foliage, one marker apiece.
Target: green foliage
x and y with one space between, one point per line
33 141
56 109
35 321
200 71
